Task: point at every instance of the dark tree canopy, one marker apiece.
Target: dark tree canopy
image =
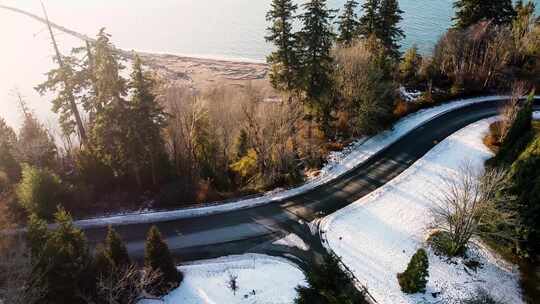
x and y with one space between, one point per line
390 32
469 12
370 21
116 250
158 257
284 60
348 23
317 41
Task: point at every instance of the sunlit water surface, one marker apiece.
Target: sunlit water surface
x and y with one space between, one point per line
210 28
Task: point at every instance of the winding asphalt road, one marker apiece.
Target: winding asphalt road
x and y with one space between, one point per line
253 230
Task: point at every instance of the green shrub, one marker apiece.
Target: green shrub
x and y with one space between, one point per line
414 279
409 67
158 257
40 191
525 177
329 284
62 263
116 250
442 244
518 135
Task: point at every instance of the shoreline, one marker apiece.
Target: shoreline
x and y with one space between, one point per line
212 57
192 71
200 73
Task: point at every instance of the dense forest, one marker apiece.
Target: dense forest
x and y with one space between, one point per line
132 140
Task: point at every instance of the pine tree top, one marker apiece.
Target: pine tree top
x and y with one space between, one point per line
470 12
116 249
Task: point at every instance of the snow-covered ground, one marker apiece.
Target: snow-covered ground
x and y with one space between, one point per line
337 165
292 240
377 235
261 280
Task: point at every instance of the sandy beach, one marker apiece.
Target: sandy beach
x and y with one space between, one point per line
200 73
197 73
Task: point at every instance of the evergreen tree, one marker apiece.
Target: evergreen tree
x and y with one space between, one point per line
110 126
470 12
35 145
10 170
39 191
284 74
158 257
145 146
64 81
370 22
348 23
317 37
63 265
390 32
102 263
409 67
414 279
115 250
329 284
36 235
518 135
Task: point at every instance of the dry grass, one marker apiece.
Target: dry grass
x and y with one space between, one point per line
492 139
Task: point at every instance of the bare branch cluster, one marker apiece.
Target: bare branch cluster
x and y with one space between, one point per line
467 204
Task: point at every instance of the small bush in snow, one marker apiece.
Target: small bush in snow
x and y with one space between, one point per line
233 283
443 244
414 279
466 206
328 283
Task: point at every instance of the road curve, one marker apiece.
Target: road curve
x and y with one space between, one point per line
248 230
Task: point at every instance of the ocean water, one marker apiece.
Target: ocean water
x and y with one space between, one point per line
232 29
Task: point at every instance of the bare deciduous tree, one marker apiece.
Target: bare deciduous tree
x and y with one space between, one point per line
128 285
511 109
467 205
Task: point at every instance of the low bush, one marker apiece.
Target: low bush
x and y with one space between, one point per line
40 191
157 257
414 279
441 242
328 284
518 135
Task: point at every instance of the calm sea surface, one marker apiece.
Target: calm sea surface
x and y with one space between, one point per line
211 28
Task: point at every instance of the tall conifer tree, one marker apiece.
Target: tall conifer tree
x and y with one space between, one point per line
390 32
317 40
284 60
370 21
146 150
348 23
469 12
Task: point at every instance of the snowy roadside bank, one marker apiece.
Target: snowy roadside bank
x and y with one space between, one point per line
338 164
377 235
261 279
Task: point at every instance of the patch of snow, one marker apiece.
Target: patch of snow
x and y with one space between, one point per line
292 240
358 152
261 279
377 235
409 96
